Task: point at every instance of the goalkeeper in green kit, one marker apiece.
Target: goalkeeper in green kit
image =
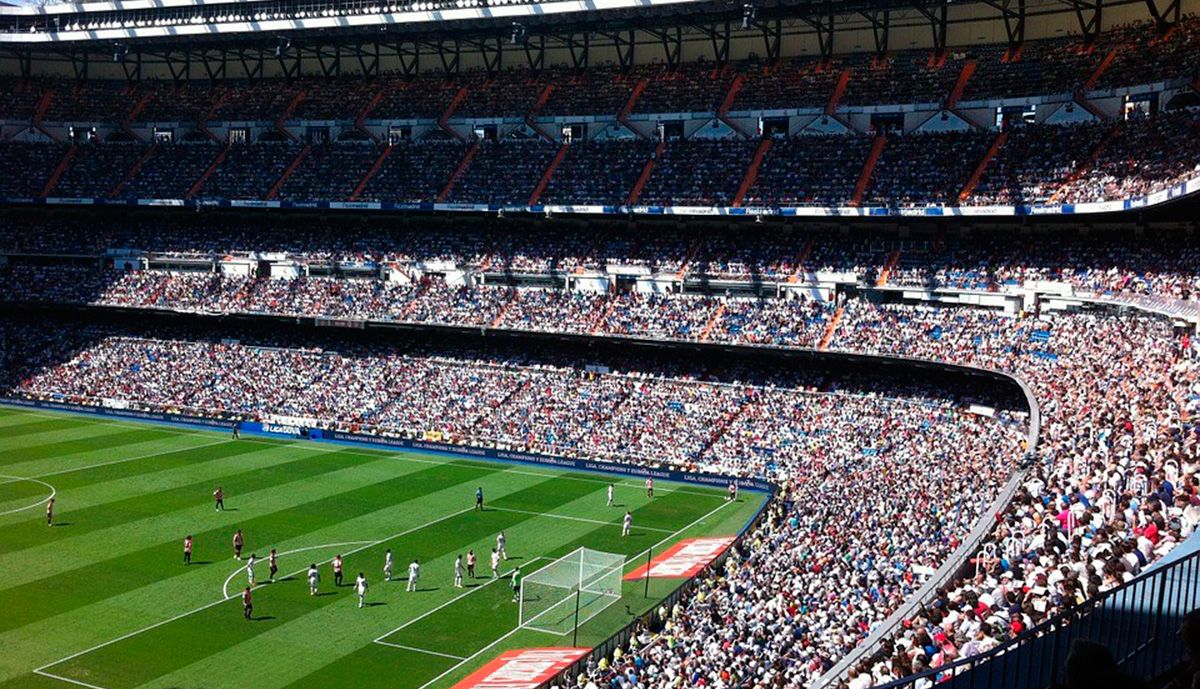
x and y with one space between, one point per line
516 585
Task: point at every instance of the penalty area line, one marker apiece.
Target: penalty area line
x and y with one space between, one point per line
508 634
551 515
419 650
367 544
60 678
504 575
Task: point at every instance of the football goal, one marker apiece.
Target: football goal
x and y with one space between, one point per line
578 585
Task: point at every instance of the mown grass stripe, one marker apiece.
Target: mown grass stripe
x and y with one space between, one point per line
121 510
31 427
63 448
306 620
97 580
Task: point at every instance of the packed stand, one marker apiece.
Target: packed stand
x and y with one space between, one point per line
504 172
691 87
1146 154
593 91
415 171
698 172
1035 161
97 169
788 83
810 170
926 169
171 171
602 172
249 170
30 166
329 171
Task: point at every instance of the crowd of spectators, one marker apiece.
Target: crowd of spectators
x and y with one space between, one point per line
926 169
1123 168
1162 263
1041 67
170 171
97 169
329 171
814 170
598 172
1037 163
249 170
1112 486
504 172
698 172
414 171
1111 489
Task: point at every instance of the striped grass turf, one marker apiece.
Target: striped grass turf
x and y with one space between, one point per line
103 600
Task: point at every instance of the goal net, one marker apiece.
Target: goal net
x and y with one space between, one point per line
587 579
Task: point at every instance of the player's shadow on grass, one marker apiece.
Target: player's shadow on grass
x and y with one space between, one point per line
262 618
198 563
377 603
326 593
428 588
62 523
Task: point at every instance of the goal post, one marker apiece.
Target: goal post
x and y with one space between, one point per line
589 580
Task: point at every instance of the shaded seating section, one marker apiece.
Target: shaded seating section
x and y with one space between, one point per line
698 172
810 170
926 168
504 172
171 171
598 172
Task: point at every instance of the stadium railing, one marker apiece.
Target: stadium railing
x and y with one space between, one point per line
1138 622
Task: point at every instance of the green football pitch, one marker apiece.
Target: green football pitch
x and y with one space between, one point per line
103 599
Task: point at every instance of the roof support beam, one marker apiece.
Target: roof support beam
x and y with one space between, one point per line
881 24
1165 16
1089 14
938 19
535 52
1013 13
450 52
824 28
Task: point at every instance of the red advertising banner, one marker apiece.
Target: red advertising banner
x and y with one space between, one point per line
684 559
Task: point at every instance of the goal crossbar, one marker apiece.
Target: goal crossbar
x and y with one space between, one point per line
571 590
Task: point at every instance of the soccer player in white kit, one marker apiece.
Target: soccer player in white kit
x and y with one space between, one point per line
458 572
649 487
495 564
626 524
500 541
313 577
360 587
250 569
387 565
610 494
414 573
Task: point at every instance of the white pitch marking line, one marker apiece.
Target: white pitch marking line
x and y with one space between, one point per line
574 519
131 459
43 501
505 575
517 629
420 650
76 682
225 586
350 448
110 642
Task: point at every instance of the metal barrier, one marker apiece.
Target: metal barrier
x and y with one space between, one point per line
1138 622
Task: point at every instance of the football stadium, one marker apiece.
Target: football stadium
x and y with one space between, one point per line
605 344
